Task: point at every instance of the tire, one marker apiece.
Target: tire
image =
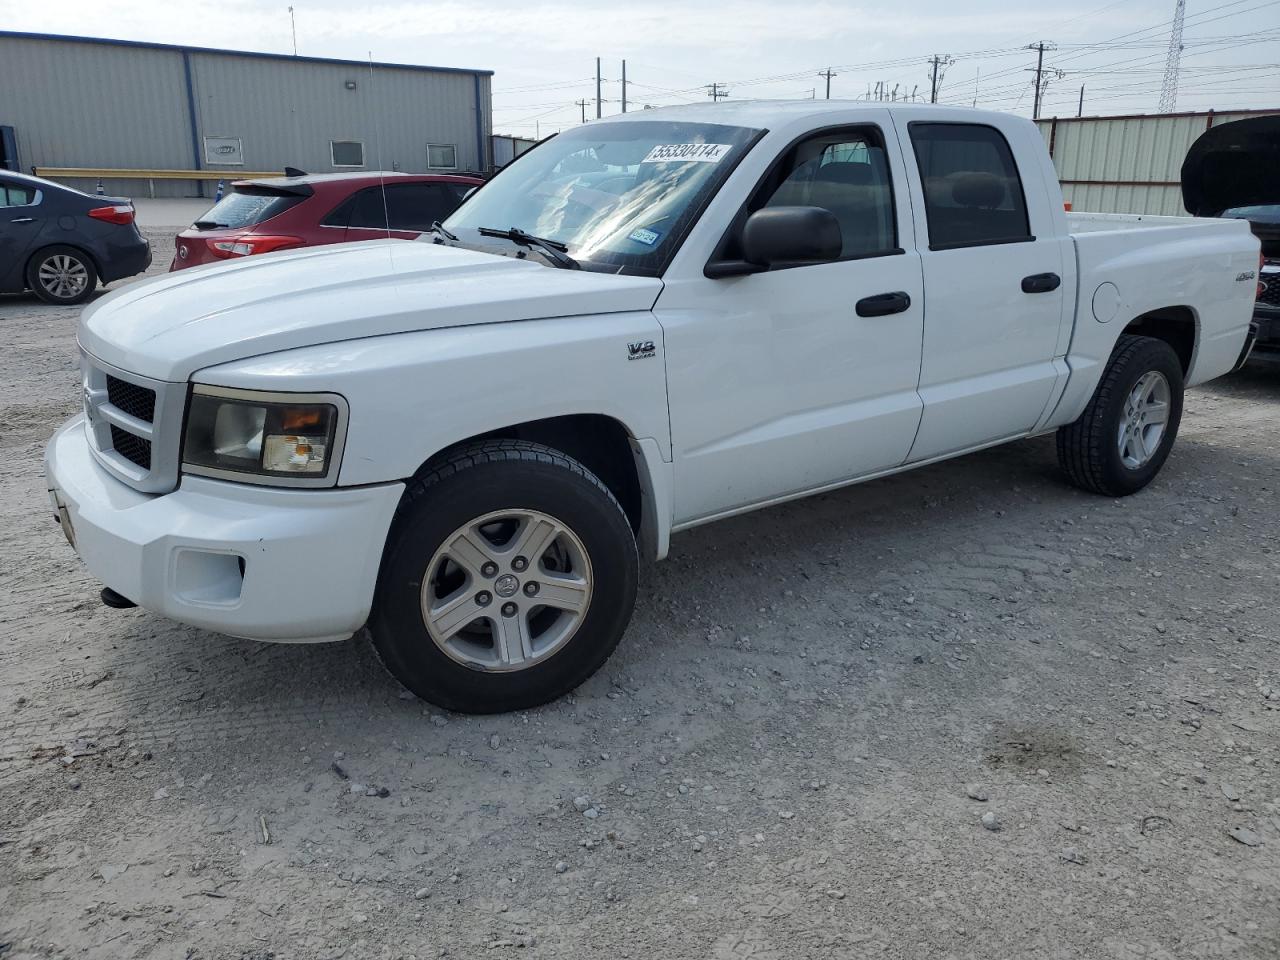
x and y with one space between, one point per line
1107 451
62 275
456 540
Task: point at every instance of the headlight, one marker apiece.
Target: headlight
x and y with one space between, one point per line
273 438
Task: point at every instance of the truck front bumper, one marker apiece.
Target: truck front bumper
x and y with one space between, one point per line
258 562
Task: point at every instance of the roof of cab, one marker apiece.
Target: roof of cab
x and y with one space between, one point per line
762 113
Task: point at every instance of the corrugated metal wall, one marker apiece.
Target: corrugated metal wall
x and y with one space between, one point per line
87 104
507 148
91 105
1127 164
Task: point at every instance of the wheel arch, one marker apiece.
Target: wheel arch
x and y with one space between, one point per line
1178 326
93 260
632 468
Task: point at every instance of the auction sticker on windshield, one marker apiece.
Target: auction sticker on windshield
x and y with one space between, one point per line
699 152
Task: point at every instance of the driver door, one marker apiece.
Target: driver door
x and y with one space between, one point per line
780 382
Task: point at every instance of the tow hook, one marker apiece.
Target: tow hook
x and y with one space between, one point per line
115 600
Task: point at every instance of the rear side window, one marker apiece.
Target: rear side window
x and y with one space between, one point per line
13 195
972 192
415 206
409 206
247 209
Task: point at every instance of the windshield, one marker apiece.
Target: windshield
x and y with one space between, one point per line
620 196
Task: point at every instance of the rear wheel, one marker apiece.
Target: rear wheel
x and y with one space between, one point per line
1124 436
508 579
62 275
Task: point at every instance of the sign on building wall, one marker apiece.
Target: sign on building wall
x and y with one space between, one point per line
224 150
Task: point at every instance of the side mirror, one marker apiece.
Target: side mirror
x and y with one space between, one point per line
787 236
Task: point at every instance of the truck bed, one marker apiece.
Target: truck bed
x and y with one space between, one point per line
1080 223
1130 265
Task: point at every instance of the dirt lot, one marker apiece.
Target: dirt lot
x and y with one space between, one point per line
776 763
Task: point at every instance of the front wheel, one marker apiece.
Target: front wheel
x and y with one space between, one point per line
1124 436
508 579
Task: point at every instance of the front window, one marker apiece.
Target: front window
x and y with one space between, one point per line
621 195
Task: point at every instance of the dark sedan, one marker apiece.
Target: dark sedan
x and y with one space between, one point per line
61 243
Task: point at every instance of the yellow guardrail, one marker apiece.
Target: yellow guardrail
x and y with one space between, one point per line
116 173
151 176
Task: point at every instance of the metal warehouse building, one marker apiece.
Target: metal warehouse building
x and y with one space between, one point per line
82 102
1128 164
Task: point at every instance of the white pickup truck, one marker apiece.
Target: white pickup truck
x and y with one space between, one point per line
644 324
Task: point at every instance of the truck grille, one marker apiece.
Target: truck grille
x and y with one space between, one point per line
134 400
134 425
134 449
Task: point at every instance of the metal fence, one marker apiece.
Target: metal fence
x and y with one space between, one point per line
1128 164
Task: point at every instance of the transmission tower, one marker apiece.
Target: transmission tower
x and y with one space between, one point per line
1169 89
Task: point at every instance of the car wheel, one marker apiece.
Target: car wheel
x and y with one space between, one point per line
508 578
62 275
1124 436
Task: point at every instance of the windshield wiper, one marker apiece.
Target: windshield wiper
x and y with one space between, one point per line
554 249
208 225
438 227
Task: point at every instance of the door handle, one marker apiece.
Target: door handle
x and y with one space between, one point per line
24 220
883 304
1041 283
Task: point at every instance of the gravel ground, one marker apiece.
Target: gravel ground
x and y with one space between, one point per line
791 755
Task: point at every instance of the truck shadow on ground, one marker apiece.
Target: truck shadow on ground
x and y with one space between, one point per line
878 534
953 536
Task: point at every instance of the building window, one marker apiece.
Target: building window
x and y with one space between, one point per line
347 153
442 156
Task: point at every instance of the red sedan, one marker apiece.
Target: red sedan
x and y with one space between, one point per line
281 213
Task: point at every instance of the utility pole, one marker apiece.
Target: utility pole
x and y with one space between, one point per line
1080 109
293 25
1040 48
716 92
597 88
624 86
939 61
583 105
1169 89
828 74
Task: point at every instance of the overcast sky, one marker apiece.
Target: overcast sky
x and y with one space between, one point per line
543 51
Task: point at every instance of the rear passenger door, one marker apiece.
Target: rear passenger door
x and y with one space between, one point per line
993 265
20 223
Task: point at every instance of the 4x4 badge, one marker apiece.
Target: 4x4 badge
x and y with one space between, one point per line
640 349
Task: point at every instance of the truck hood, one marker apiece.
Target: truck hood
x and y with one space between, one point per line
169 327
1233 165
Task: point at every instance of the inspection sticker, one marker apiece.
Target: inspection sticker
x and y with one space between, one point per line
644 235
680 152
